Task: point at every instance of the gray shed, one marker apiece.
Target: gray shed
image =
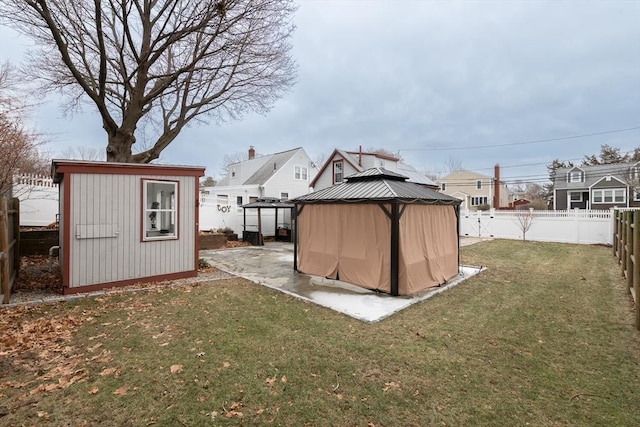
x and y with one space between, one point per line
126 223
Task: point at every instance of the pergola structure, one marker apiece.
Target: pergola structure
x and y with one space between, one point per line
260 204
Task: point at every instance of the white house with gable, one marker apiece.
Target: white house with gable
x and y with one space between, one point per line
283 176
342 163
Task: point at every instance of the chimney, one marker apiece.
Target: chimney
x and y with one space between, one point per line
252 152
496 186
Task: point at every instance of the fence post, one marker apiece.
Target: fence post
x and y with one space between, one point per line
631 255
636 267
4 250
16 231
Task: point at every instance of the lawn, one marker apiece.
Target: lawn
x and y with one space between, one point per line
543 337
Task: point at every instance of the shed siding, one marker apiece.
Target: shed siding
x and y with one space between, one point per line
108 199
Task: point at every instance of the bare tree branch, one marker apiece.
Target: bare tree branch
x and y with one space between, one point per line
162 63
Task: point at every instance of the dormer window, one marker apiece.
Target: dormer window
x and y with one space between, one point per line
634 171
576 175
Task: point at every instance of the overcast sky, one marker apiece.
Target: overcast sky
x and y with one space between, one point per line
432 81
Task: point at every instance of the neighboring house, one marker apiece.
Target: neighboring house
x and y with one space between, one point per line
597 186
341 164
282 176
476 190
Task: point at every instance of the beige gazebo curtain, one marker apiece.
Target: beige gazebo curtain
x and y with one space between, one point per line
352 243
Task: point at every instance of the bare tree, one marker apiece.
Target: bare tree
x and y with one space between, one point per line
82 153
150 67
453 164
524 219
19 146
233 158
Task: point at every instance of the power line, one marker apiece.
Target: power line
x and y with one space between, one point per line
536 141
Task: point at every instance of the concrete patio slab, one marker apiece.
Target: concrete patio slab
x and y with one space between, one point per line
272 266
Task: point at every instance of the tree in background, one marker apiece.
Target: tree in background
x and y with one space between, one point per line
208 181
152 67
610 154
82 153
19 146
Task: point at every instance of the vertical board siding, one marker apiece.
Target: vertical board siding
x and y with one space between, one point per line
116 199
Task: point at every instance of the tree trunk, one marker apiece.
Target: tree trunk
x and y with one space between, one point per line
119 147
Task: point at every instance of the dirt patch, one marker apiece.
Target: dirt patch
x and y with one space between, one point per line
35 275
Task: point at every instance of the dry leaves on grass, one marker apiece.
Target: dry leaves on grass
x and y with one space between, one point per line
176 369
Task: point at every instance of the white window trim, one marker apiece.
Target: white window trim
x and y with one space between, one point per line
577 171
482 199
300 173
333 167
147 211
601 193
576 192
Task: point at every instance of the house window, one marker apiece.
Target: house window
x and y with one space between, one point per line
222 199
636 195
301 173
478 200
253 199
609 196
575 197
337 172
479 185
443 186
576 176
160 213
634 172
239 200
284 196
381 163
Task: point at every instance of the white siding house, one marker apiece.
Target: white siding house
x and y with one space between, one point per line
283 176
342 164
124 223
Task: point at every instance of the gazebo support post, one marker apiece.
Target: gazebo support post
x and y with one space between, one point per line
260 243
244 224
395 247
275 228
294 230
457 211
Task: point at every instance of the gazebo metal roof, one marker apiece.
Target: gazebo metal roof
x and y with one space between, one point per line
377 184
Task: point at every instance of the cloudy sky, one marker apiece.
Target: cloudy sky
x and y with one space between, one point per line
518 83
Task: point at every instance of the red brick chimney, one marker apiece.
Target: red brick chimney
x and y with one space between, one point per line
252 152
496 186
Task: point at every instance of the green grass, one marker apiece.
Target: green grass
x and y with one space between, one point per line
543 337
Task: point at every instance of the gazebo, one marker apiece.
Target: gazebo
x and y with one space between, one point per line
378 231
256 238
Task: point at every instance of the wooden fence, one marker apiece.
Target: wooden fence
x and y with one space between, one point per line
9 245
626 248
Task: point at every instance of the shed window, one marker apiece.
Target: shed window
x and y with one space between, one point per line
160 210
337 172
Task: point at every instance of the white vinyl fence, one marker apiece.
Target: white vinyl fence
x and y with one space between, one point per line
218 213
38 199
571 226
